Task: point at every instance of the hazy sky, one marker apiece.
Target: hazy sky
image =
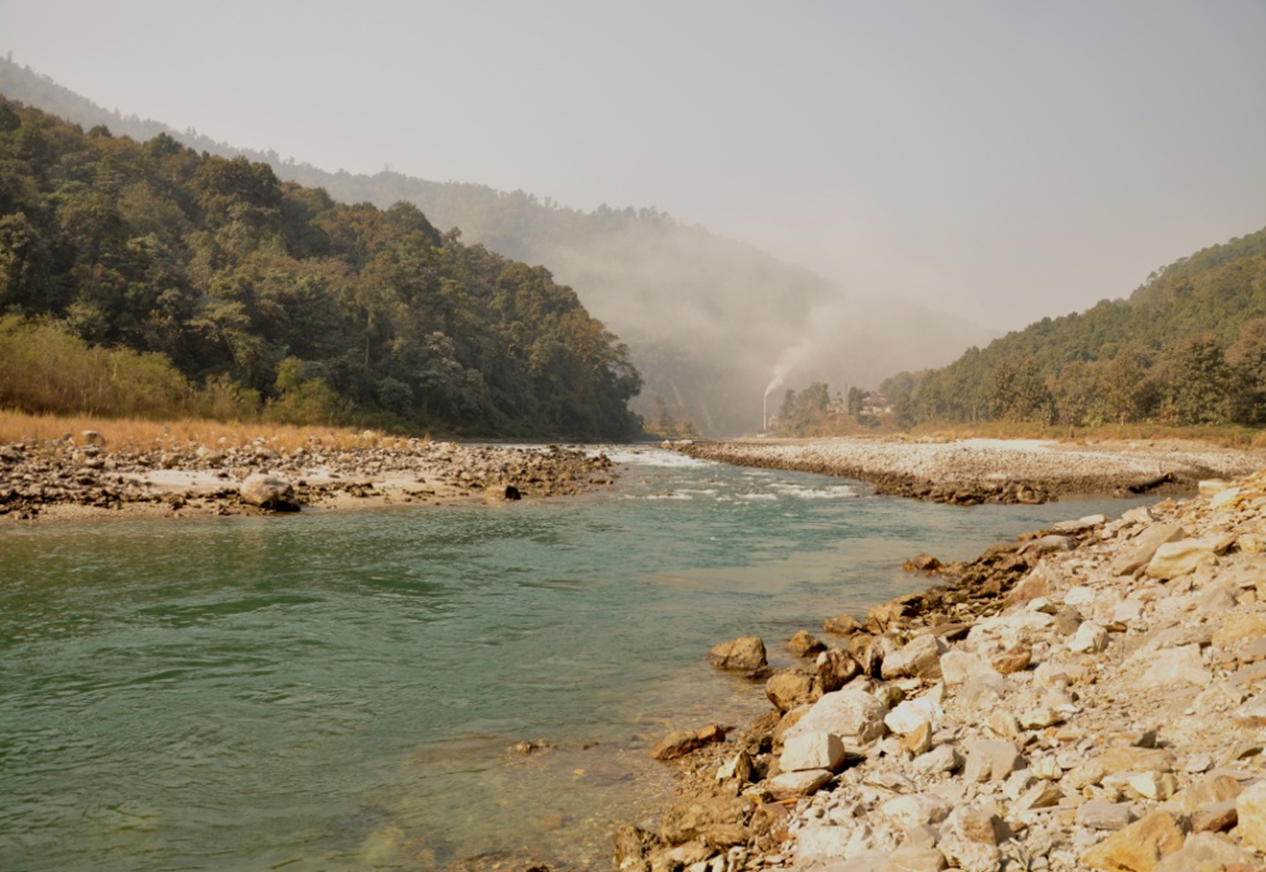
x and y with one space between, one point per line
1005 160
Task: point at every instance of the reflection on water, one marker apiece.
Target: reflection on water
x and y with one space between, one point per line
339 691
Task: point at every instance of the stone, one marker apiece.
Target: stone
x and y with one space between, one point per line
1216 818
269 492
908 812
1207 851
1240 629
1140 550
1090 638
970 856
984 692
910 715
941 759
715 820
803 644
915 859
1225 497
1176 667
1157 786
1176 559
918 741
957 667
676 744
1098 814
739 766
812 751
790 785
1250 808
746 654
1209 790
919 658
842 625
1251 715
1084 775
788 688
1124 758
836 668
1011 660
819 843
1081 525
1044 794
1003 724
853 715
991 760
1138 847
974 824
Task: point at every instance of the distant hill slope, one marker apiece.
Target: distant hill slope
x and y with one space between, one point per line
1187 347
709 320
277 299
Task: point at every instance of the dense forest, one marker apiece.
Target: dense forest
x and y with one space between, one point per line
212 285
1187 347
708 319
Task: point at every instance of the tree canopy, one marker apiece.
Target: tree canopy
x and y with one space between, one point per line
308 308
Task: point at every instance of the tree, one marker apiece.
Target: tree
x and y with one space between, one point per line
1195 380
1247 359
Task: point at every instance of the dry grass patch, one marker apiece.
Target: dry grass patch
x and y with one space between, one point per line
187 433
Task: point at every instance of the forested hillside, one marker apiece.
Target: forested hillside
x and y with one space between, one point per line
233 289
708 319
1187 347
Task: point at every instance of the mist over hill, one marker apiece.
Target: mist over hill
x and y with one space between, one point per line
712 324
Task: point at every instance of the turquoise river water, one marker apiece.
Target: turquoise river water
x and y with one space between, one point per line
338 690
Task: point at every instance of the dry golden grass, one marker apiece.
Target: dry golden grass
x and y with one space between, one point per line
137 435
1224 437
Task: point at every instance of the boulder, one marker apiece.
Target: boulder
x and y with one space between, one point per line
1140 550
717 820
919 658
991 759
1250 807
812 751
788 688
789 785
1176 559
853 715
1176 667
1207 851
836 668
1098 814
1138 847
676 744
1090 638
269 492
746 654
842 625
803 644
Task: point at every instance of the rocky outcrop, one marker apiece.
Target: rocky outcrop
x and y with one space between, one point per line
1100 705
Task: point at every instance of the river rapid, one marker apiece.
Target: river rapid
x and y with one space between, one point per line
339 690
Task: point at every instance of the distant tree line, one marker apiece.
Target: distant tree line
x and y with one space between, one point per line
1188 347
268 298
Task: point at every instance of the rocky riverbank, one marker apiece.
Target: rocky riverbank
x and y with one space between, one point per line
1089 698
85 476
969 471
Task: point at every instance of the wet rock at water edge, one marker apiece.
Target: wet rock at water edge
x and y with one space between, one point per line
744 654
269 492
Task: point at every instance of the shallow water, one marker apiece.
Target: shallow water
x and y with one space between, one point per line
338 690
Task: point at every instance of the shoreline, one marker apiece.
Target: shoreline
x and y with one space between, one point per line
85 478
1092 696
971 471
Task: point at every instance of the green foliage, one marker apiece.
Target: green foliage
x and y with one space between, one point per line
1187 348
280 301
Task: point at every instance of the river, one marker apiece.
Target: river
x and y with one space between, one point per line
338 690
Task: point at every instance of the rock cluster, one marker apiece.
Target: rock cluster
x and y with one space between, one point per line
971 471
1102 709
85 471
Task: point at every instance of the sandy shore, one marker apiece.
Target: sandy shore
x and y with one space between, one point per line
83 477
970 471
